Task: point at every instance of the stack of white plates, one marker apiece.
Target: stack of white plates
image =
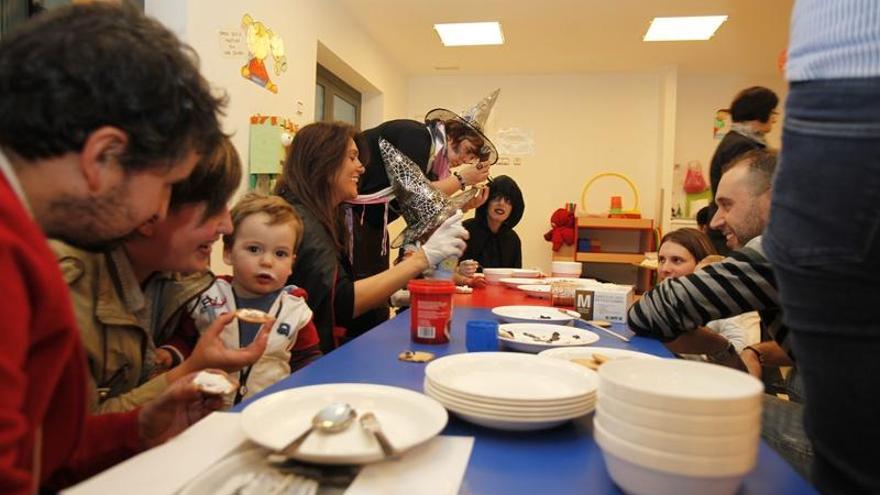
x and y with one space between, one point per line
494 275
510 391
514 282
677 427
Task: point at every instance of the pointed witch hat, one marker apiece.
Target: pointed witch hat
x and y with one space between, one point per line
422 205
475 118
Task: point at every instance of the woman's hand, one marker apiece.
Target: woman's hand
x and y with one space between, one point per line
473 173
447 241
181 405
477 200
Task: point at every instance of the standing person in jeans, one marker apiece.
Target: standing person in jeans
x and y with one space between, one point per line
753 113
823 237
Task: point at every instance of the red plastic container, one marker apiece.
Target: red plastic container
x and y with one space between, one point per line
430 310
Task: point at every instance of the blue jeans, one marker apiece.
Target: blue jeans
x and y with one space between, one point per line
823 240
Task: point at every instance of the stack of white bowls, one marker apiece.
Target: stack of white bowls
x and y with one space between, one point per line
566 269
677 427
511 391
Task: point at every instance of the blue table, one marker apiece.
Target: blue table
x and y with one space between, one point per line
557 461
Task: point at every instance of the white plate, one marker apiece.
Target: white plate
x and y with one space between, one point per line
408 418
539 291
534 337
532 314
516 403
512 410
515 282
569 353
512 376
239 467
526 273
503 422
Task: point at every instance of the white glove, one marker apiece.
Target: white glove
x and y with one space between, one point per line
467 268
447 241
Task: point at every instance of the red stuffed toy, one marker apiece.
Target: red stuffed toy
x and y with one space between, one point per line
562 221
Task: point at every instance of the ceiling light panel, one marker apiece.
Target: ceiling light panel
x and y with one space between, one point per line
684 28
470 33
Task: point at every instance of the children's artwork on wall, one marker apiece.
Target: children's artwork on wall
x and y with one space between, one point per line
270 138
721 124
262 44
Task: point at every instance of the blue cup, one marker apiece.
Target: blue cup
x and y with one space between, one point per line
481 336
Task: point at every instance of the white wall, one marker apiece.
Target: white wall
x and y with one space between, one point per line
581 124
304 25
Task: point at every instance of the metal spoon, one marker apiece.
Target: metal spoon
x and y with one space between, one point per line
330 419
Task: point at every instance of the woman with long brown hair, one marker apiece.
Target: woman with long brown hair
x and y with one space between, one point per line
320 174
681 253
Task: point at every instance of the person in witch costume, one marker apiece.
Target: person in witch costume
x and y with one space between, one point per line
451 150
493 242
321 172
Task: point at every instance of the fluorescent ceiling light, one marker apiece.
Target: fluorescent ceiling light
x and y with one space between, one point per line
684 28
470 33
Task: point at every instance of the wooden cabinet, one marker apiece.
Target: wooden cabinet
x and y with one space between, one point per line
616 247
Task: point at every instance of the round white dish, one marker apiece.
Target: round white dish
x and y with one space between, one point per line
681 386
518 413
569 353
509 376
526 273
640 480
407 417
535 337
679 443
515 282
516 403
539 291
694 424
687 465
532 314
494 275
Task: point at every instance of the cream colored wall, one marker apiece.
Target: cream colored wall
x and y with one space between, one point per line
699 96
581 124
305 25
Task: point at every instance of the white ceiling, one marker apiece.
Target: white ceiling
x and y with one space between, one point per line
571 36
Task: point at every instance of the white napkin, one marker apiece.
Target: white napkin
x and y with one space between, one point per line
435 468
168 467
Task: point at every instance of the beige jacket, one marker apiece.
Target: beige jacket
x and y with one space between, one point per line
120 323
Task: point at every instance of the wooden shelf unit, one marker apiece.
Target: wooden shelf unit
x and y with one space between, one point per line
628 249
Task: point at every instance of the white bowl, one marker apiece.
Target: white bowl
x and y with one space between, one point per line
639 480
697 424
566 268
686 465
678 443
681 386
494 275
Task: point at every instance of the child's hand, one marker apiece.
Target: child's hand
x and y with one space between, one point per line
210 352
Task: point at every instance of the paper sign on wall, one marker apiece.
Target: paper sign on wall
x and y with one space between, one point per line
269 135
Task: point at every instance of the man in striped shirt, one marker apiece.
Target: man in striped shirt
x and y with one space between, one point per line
677 310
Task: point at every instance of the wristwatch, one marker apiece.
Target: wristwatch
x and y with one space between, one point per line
723 355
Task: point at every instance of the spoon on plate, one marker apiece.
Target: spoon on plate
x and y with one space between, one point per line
332 418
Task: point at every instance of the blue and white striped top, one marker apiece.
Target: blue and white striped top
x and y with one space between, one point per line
834 39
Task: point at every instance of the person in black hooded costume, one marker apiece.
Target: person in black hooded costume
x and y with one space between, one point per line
493 243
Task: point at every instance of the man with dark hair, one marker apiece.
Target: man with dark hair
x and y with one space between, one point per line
129 300
753 113
676 310
102 110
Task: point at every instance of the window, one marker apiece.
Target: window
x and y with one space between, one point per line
336 100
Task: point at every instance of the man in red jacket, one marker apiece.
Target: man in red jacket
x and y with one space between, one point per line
101 111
